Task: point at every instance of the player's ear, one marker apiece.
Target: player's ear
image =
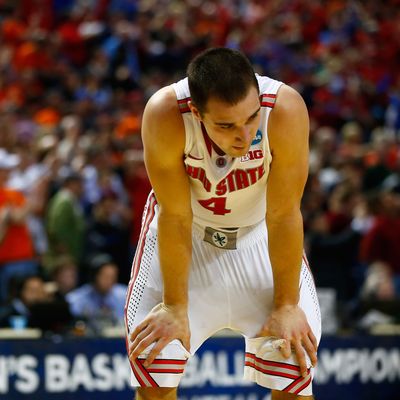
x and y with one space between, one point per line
195 111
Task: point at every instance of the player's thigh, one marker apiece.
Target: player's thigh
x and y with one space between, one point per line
265 364
250 284
206 315
207 308
252 304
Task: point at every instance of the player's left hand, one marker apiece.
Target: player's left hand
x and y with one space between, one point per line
289 322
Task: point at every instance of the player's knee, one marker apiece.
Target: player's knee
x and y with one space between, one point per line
155 393
279 395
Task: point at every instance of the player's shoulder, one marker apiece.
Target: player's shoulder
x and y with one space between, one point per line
163 125
289 117
163 104
288 99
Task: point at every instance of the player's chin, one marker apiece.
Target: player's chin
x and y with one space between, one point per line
239 151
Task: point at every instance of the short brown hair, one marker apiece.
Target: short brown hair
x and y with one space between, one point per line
222 73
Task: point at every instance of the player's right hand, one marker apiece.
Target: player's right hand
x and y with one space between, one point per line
163 324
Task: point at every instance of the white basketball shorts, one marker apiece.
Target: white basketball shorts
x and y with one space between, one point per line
230 286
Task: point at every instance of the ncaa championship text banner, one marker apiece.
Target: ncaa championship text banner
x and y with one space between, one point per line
354 367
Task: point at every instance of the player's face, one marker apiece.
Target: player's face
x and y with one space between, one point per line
233 127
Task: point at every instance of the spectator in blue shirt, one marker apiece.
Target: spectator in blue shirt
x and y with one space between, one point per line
100 302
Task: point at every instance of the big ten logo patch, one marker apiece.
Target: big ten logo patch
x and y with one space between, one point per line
252 155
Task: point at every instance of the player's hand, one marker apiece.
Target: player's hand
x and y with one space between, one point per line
163 324
289 322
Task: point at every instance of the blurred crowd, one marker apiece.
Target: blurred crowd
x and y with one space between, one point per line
74 78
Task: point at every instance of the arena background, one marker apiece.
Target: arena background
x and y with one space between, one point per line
74 78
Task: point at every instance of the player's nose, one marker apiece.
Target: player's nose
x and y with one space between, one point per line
244 134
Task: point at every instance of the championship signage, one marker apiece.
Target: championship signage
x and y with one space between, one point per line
365 367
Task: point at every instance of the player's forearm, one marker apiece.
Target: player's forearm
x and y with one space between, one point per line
175 248
285 242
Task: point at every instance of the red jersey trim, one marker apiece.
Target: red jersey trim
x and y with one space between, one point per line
183 105
268 100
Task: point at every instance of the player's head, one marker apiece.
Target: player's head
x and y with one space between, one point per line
225 97
222 73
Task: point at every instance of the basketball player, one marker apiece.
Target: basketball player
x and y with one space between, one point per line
221 244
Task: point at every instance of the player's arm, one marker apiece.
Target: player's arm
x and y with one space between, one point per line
288 135
164 142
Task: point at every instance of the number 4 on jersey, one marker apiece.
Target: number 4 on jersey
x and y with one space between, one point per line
216 204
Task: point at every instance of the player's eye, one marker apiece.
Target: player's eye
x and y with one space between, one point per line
253 117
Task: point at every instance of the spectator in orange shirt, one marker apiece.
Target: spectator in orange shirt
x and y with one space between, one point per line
16 245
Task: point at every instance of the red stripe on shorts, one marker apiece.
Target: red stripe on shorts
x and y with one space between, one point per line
303 381
292 367
142 240
304 386
165 366
167 361
148 217
269 371
142 370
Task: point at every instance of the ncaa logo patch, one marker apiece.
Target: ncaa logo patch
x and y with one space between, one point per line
258 138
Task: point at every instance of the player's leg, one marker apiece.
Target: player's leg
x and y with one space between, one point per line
145 292
278 395
265 363
156 393
251 300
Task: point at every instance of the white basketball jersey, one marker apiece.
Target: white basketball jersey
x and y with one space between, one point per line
227 192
